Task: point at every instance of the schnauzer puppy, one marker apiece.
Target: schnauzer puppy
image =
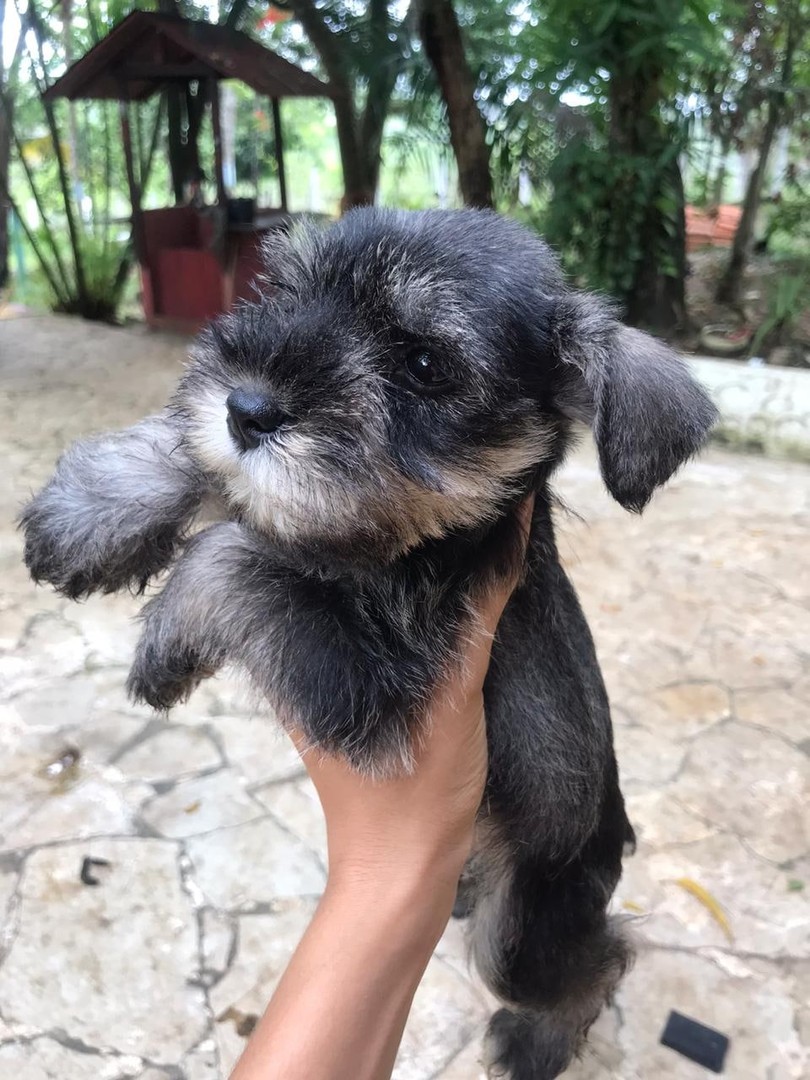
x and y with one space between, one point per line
369 424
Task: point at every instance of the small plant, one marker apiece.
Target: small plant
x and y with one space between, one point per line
786 302
106 267
83 255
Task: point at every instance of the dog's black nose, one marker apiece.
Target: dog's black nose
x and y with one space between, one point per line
251 416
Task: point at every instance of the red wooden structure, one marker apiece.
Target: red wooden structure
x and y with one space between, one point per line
194 262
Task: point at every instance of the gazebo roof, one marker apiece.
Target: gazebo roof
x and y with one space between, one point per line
147 50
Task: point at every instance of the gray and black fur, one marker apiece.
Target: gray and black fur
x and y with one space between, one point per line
369 424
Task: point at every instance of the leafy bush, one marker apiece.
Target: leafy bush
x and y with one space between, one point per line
598 215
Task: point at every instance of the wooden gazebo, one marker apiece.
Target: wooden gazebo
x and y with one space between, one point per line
194 261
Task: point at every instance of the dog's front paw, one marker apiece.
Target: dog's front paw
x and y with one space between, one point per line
53 552
178 648
114 512
80 548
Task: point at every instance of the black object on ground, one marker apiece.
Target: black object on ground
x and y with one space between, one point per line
695 1041
86 874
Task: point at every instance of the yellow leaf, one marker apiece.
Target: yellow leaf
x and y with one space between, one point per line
631 905
709 902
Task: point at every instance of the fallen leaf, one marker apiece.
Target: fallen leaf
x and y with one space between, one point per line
709 902
631 905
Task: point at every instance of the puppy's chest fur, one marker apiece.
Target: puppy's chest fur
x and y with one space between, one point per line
354 657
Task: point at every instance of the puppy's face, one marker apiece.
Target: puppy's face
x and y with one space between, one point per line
376 397
405 375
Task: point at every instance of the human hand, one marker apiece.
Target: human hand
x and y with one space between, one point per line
418 826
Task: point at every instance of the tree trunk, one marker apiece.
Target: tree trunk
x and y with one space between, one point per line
75 165
719 186
656 297
185 113
382 80
35 24
444 47
235 13
359 187
174 115
730 286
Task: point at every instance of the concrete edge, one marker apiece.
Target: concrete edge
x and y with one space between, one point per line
763 410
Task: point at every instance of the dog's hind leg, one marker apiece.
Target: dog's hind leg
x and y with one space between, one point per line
466 895
544 944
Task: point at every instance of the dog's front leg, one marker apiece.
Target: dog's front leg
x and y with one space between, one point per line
217 598
229 600
113 512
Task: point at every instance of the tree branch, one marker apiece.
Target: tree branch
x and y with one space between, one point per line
5 105
6 195
389 62
341 80
238 9
444 47
32 19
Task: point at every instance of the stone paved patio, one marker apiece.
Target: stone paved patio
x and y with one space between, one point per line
213 837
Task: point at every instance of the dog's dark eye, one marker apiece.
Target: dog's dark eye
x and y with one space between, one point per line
423 370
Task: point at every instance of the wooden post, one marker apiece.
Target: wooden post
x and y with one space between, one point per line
222 195
134 186
279 141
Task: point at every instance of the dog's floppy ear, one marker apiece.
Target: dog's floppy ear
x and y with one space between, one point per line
647 412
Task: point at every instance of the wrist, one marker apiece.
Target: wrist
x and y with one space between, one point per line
403 869
406 851
416 897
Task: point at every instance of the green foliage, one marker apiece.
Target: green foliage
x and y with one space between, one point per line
106 262
617 207
311 155
599 215
419 168
639 39
787 301
593 102
68 175
790 220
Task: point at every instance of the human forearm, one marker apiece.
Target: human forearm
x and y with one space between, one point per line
340 1009
396 850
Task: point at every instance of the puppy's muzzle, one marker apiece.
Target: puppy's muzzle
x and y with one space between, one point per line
252 417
